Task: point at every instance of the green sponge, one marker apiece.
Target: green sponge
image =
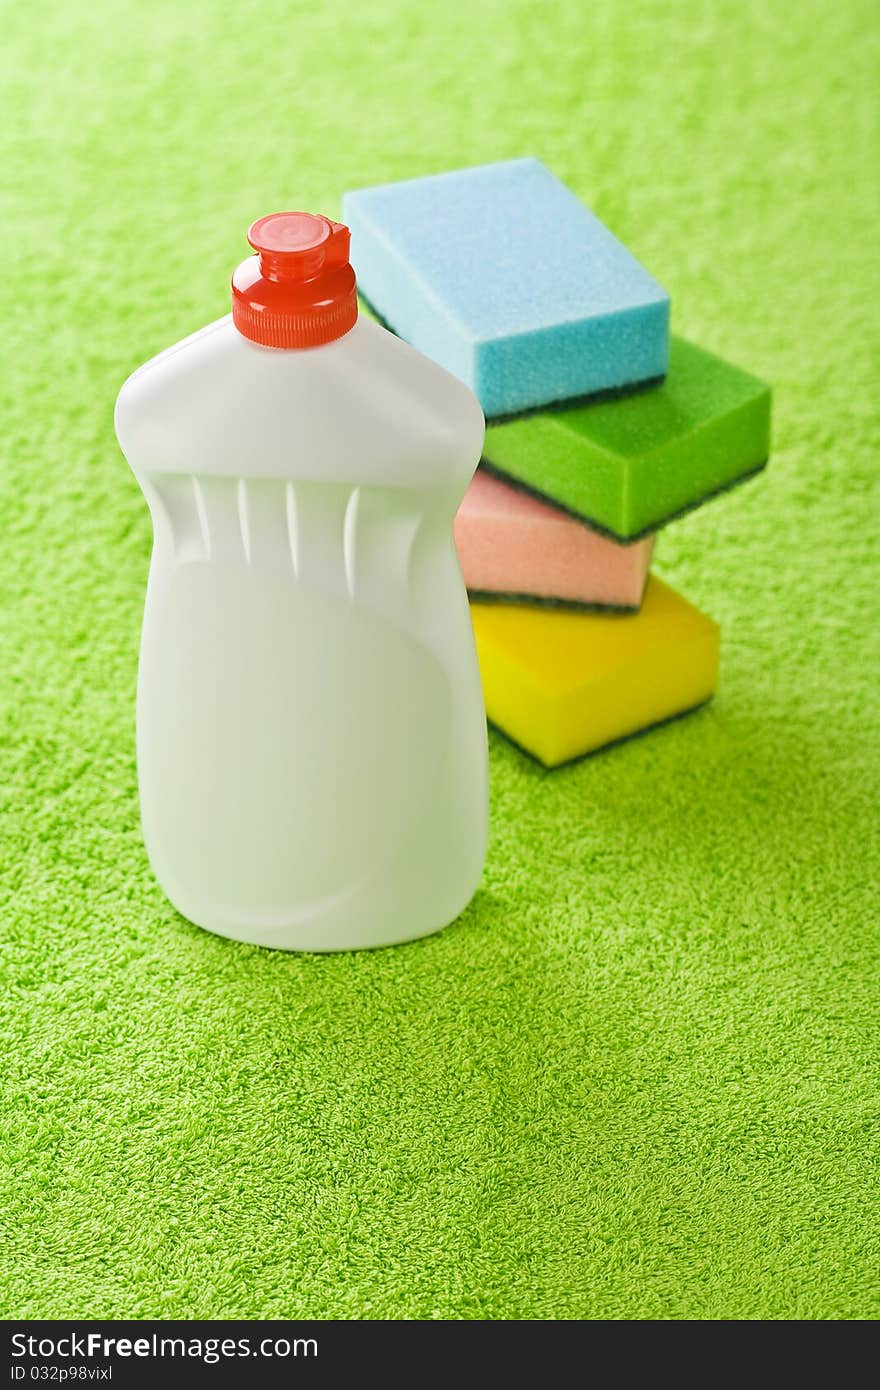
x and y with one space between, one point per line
629 464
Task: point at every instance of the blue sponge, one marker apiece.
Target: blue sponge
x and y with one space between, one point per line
503 277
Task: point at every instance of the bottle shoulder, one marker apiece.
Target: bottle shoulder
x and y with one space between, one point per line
364 407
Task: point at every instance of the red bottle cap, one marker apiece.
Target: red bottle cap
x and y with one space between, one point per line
298 290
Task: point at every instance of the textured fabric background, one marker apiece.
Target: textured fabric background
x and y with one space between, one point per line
638 1078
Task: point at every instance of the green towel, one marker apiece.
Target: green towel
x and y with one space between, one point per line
637 1079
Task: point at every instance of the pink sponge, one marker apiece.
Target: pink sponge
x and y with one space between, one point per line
511 545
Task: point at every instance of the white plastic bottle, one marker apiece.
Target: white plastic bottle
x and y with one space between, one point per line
310 728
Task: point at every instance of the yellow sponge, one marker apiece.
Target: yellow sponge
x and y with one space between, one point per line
562 683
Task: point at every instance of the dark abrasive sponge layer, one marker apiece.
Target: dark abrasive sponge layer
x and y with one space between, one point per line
630 464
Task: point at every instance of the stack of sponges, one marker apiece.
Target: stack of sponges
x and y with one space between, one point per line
600 430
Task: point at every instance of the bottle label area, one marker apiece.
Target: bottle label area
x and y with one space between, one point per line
288 738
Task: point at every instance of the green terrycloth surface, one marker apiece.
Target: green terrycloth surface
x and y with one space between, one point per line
638 1078
629 463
